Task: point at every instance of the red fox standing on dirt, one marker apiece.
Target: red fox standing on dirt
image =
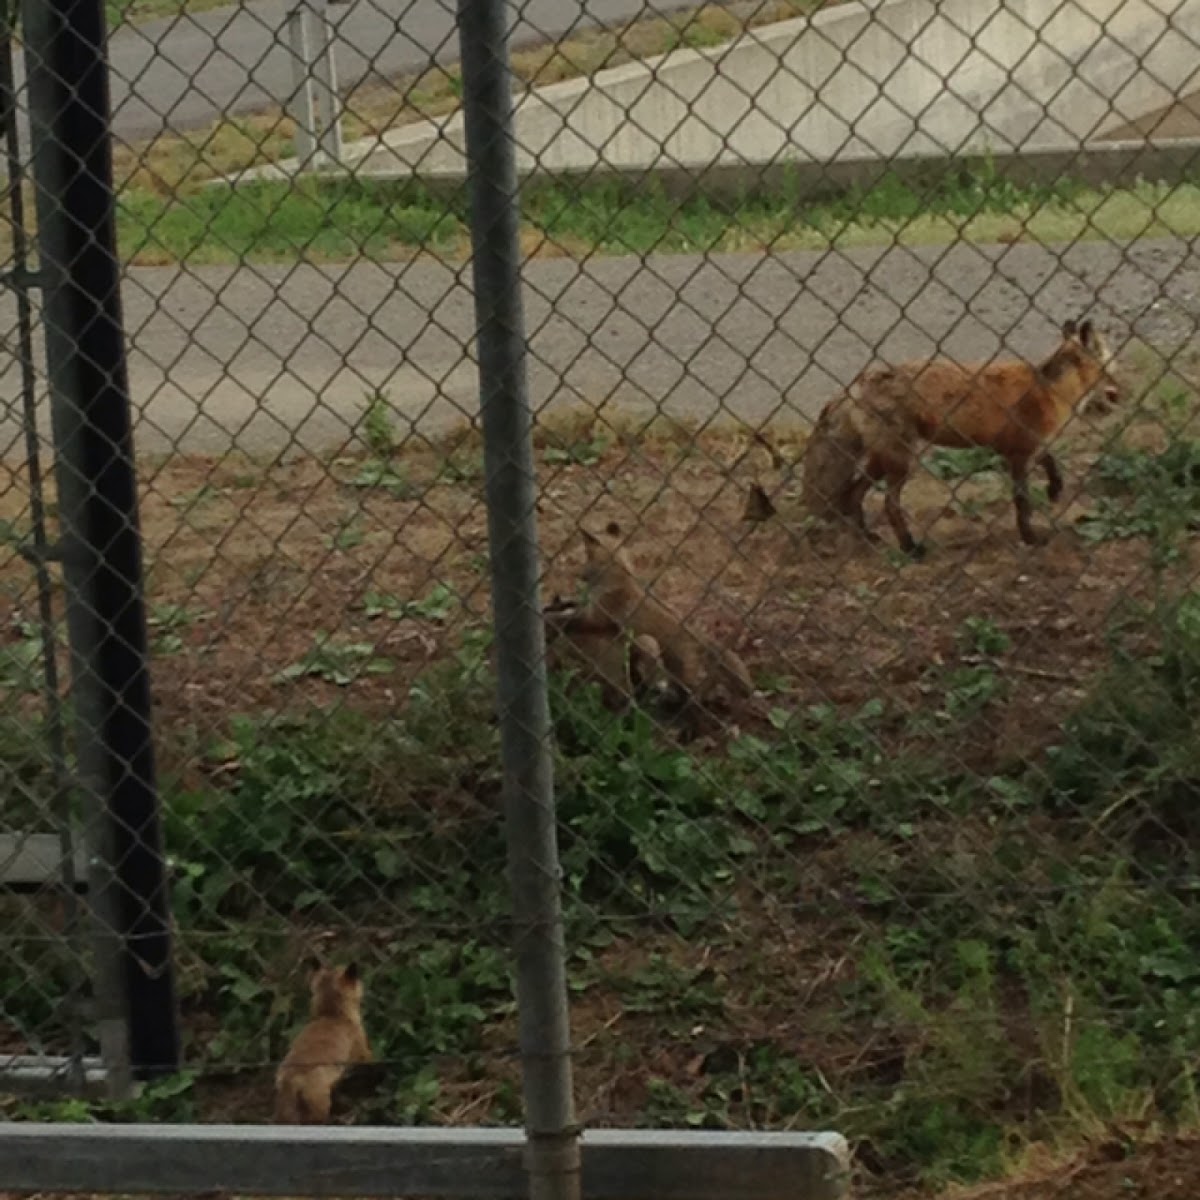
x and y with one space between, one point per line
331 1042
878 428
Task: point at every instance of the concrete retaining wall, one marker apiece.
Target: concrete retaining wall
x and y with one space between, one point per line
861 80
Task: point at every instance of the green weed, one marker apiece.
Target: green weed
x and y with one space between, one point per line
336 662
21 667
125 12
436 606
188 502
462 466
983 636
969 690
951 464
15 532
26 767
273 222
1144 495
348 535
1135 738
576 454
168 622
379 431
386 476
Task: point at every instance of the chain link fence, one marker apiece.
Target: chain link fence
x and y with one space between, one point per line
852 836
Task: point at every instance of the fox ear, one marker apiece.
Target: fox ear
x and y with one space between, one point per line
590 541
1086 331
311 965
1069 329
612 529
350 973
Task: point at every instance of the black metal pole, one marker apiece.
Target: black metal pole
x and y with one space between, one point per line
100 545
535 877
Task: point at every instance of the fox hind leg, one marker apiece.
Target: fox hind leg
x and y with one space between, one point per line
1019 470
895 473
852 505
1054 479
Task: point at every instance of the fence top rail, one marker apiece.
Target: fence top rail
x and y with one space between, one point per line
376 1161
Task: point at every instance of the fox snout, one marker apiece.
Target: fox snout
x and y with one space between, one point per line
1107 393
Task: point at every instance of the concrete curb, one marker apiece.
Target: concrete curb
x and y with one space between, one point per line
858 84
1170 160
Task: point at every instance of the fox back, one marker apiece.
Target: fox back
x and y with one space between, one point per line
1009 405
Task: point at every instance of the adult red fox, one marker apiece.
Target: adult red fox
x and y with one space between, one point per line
877 430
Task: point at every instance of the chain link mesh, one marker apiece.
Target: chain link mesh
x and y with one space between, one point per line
933 885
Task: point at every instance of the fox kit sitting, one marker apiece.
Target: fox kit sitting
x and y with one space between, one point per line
601 650
693 663
331 1042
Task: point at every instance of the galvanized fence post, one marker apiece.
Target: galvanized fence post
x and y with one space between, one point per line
100 543
535 875
325 80
315 104
302 106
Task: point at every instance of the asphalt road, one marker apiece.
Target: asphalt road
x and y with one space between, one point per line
184 71
280 359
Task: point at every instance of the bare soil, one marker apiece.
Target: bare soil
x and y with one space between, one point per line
258 564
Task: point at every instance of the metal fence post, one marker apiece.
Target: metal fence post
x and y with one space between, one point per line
100 545
315 105
302 107
329 102
535 876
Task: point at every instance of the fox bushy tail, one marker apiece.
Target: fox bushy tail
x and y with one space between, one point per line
831 461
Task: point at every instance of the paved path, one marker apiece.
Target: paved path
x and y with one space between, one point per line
271 359
185 71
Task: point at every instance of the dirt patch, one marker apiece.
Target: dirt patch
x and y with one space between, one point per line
282 588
